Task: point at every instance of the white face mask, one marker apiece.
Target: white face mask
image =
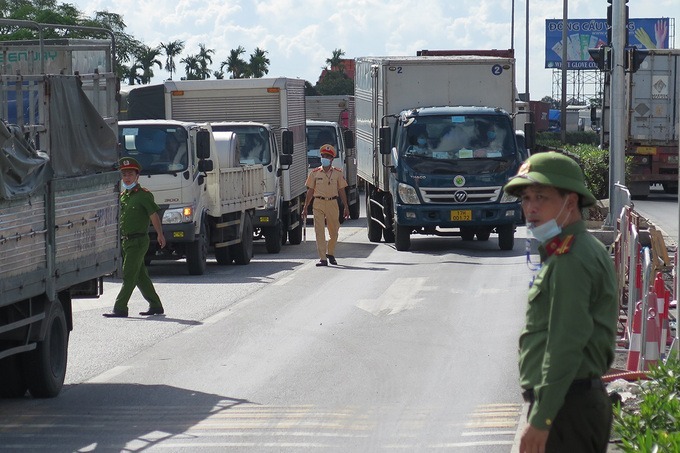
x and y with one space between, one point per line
325 162
128 186
550 229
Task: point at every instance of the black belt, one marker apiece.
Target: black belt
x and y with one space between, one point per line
327 198
579 385
125 237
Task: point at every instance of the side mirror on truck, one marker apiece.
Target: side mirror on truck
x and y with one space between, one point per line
530 136
203 144
348 136
385 142
286 159
286 143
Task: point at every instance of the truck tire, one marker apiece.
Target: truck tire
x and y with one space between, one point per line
295 235
223 256
402 237
12 382
197 252
243 251
45 367
354 209
273 238
373 229
483 234
506 236
639 190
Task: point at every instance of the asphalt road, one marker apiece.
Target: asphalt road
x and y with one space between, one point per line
411 351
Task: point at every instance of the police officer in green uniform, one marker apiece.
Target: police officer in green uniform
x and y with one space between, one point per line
137 207
568 340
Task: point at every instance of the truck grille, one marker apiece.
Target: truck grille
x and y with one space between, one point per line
459 195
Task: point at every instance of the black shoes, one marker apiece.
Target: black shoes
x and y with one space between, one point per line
115 314
331 259
152 311
322 263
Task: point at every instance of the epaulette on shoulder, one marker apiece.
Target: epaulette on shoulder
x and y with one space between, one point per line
317 169
337 169
559 246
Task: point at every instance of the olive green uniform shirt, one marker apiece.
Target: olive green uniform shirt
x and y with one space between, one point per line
571 320
136 205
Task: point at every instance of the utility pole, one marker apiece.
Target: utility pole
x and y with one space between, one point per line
563 97
617 130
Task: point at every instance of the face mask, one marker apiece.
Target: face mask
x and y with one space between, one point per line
128 186
422 141
491 135
326 162
548 230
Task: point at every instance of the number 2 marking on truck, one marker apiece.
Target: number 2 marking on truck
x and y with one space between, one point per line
497 69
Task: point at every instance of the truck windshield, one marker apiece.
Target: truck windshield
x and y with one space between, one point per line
159 149
253 142
435 144
317 136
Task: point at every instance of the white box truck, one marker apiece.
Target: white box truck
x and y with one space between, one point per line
274 107
452 183
207 198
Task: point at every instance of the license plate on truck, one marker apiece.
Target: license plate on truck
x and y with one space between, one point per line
461 215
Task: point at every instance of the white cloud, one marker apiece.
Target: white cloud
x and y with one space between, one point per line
300 35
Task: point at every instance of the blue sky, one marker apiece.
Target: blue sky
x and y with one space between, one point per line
300 35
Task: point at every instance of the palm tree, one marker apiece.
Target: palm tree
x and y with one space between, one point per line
235 64
335 61
172 50
203 58
147 57
191 66
130 74
259 63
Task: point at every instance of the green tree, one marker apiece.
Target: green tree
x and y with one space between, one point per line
335 61
146 58
203 57
191 66
172 50
335 83
236 65
259 63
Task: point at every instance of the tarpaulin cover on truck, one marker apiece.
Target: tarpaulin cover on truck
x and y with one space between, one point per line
81 143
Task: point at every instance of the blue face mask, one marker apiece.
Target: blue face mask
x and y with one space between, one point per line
550 229
491 135
128 187
422 141
326 162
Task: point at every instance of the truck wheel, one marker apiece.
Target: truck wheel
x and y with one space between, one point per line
483 234
222 255
273 238
197 253
467 234
45 367
402 237
354 209
506 236
12 382
639 190
295 235
243 251
670 187
374 230
388 235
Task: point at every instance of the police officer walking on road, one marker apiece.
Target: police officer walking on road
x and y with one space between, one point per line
324 185
137 207
568 340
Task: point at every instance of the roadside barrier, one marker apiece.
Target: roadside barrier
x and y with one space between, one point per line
650 357
635 340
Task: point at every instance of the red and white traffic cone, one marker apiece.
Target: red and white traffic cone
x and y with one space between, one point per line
651 356
635 339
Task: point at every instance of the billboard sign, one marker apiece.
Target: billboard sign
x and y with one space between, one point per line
583 34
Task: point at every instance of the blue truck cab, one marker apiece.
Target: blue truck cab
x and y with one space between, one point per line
447 168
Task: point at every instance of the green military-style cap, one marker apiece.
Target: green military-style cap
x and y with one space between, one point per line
551 169
129 163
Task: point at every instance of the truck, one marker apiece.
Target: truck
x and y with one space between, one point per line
270 107
461 105
652 101
320 133
59 212
207 198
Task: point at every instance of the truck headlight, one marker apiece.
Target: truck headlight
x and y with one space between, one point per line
179 215
408 194
507 198
270 201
